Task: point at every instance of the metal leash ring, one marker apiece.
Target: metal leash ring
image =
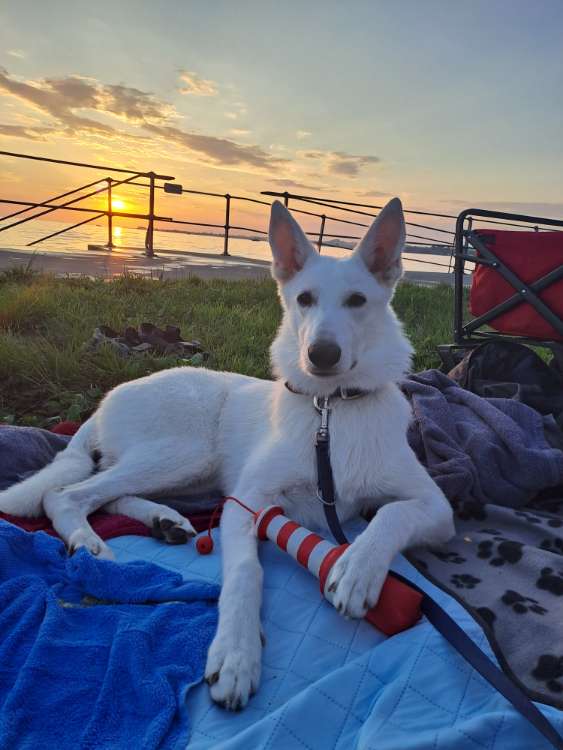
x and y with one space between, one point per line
321 499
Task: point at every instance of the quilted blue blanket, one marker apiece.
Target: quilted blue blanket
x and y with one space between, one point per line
95 654
332 684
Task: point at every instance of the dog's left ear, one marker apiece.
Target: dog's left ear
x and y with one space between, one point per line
289 243
383 243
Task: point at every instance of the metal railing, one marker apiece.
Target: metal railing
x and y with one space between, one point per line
425 244
109 211
434 240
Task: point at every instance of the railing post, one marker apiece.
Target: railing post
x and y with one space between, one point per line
321 233
227 219
110 216
286 199
149 246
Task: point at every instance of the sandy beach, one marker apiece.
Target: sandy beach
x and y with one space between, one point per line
166 264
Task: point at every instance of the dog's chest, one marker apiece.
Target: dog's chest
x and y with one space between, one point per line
357 445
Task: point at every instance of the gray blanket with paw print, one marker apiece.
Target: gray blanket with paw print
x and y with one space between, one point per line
499 464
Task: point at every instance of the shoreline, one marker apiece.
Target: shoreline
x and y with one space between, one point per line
167 264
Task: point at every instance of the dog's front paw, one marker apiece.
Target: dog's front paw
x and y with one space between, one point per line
233 669
354 582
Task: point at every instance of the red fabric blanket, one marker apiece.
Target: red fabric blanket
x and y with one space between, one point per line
106 525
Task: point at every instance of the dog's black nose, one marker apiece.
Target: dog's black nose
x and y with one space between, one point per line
324 354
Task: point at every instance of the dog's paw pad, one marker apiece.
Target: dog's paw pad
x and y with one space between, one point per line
172 530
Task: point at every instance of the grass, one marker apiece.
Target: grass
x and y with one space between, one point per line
47 375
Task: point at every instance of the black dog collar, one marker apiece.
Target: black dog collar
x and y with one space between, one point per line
346 394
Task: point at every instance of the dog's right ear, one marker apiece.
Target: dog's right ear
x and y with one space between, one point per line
289 243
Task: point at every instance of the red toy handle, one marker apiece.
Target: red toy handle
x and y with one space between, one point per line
398 607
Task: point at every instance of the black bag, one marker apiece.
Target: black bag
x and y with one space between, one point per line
506 369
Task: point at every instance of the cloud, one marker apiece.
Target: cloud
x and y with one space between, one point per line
20 131
65 99
218 150
285 184
239 110
374 194
134 105
75 104
340 162
301 135
61 98
192 84
19 53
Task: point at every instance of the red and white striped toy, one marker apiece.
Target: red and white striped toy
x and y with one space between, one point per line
398 607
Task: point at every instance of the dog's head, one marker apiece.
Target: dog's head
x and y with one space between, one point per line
338 327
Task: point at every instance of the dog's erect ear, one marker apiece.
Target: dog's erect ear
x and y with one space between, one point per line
383 243
290 246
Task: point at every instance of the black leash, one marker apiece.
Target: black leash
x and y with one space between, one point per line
437 616
325 480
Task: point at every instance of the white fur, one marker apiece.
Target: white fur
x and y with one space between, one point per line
195 428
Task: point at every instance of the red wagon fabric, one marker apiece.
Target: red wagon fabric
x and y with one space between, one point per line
530 255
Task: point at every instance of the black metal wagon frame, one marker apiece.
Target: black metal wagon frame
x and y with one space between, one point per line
467 334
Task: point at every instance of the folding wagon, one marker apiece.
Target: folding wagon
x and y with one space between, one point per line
516 291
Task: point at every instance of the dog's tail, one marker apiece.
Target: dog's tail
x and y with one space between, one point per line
71 465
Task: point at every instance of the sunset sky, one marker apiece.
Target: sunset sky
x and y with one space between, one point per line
442 102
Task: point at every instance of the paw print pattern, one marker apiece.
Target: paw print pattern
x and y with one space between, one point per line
529 517
553 545
549 669
551 581
448 557
420 563
522 604
464 581
488 615
554 523
469 511
500 551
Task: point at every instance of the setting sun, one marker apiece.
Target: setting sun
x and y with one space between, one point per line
117 204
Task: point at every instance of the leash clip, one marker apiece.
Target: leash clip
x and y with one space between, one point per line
322 405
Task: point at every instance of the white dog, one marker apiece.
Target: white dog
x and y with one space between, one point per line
194 428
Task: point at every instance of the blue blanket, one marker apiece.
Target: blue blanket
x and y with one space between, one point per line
335 684
94 654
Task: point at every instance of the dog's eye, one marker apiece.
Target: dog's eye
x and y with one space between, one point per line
355 300
305 299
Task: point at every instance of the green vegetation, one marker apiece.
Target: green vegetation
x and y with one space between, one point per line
46 373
